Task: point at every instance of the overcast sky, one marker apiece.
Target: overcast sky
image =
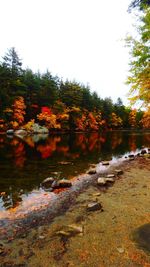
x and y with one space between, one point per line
74 39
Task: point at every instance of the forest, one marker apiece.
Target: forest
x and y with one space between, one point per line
27 98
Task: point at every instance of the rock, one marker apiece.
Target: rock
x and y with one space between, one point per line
71 230
120 250
92 171
143 151
41 237
96 194
64 183
54 185
63 233
101 181
118 172
48 181
10 131
20 132
75 228
110 175
105 163
65 162
131 156
110 180
94 206
36 128
147 156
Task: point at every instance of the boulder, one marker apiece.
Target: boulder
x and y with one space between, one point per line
20 132
48 182
36 128
93 206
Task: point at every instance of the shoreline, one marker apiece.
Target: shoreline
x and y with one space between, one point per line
57 204
100 238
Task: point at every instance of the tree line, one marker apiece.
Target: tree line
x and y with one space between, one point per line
27 98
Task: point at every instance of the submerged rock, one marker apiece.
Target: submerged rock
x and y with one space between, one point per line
94 206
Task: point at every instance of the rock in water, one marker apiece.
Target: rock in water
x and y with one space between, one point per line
110 175
118 172
64 183
48 181
143 151
105 163
94 206
110 180
92 171
101 181
10 131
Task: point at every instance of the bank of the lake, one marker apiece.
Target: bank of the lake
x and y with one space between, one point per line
107 236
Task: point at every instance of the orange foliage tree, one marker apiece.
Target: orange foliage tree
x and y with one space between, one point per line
116 121
18 112
48 118
132 118
145 121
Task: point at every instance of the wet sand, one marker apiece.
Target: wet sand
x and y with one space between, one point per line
99 238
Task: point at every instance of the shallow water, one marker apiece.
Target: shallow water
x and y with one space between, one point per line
25 163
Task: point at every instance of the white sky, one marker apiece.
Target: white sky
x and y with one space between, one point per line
74 39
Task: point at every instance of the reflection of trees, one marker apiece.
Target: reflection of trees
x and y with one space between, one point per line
49 147
132 142
116 139
19 152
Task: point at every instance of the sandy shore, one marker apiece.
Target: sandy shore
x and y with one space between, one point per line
98 238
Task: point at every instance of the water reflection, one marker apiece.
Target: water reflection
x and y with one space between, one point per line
24 163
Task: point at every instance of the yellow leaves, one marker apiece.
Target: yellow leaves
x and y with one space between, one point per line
28 126
146 119
8 110
50 120
132 118
116 121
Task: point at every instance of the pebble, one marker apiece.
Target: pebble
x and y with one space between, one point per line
120 250
94 206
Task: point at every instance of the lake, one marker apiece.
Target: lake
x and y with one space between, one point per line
25 163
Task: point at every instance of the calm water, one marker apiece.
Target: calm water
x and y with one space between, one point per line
24 164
